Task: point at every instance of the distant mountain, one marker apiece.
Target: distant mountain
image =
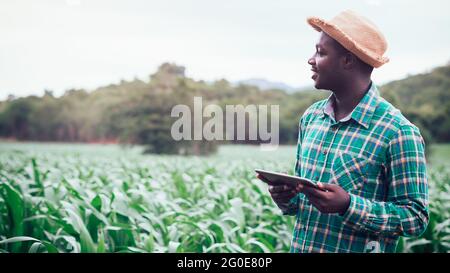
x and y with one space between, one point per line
264 84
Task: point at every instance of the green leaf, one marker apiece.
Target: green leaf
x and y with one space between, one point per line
35 247
50 248
97 202
101 245
149 244
37 177
173 246
135 249
18 239
86 242
260 245
16 211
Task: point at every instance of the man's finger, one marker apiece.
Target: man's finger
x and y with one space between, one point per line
317 203
289 191
283 188
317 193
283 196
326 186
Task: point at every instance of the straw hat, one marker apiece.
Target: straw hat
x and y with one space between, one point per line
357 34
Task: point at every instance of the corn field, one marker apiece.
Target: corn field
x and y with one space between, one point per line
87 198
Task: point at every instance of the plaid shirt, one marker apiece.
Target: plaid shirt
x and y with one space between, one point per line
378 157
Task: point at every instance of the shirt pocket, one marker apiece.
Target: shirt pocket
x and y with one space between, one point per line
353 173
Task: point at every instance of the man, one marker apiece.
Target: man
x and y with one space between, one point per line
366 157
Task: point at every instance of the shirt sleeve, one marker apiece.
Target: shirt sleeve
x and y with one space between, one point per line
405 212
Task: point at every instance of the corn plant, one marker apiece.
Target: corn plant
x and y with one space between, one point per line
85 198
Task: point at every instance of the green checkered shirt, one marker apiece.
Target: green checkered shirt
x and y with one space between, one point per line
378 157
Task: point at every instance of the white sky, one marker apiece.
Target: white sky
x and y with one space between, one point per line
63 44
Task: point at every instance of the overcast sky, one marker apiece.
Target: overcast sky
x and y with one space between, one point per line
63 44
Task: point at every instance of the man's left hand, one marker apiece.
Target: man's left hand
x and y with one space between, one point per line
329 198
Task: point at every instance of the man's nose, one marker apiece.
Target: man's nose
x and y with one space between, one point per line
311 61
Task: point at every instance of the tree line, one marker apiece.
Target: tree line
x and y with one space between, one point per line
139 112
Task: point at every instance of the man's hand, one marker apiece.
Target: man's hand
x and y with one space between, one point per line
329 198
281 194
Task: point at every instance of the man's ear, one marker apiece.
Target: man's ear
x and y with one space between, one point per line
349 61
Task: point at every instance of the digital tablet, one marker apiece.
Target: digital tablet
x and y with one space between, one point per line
281 178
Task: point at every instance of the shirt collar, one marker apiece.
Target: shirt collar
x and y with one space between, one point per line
362 113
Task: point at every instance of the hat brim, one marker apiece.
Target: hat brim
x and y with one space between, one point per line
346 41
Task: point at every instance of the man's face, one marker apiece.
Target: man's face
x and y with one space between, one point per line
325 63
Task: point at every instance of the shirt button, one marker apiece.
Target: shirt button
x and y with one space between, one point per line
324 152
